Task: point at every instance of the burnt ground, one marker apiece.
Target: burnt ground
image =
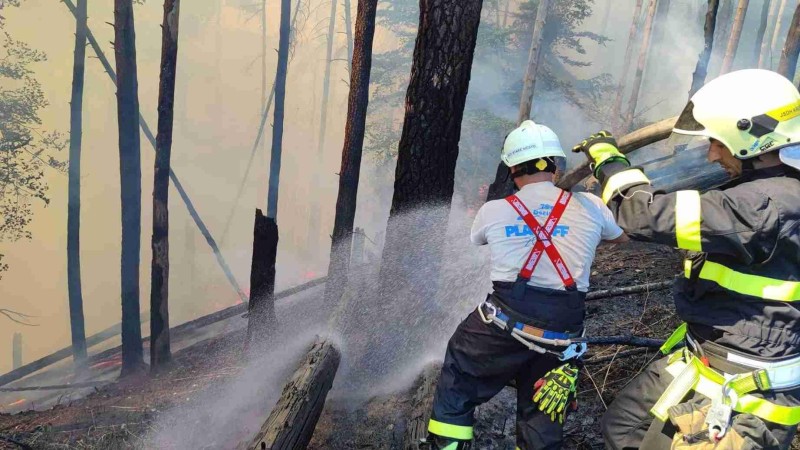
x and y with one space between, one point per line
122 415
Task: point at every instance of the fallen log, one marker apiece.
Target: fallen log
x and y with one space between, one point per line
291 423
421 404
606 293
632 141
57 387
626 339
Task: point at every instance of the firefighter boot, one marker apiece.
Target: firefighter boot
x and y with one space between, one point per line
434 442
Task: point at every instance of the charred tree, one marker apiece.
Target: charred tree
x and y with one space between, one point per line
765 51
736 34
351 153
160 353
425 172
626 64
660 25
788 64
291 422
261 307
776 34
766 7
76 320
640 66
130 171
723 32
16 351
526 99
701 71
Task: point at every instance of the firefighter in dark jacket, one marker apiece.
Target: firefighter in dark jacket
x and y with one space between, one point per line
736 383
542 242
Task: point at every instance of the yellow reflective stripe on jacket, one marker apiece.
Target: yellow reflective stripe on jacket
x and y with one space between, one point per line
687 220
621 180
754 285
447 430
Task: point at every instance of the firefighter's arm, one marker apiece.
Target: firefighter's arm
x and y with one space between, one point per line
478 232
736 222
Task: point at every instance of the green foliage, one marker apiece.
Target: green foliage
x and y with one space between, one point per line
25 151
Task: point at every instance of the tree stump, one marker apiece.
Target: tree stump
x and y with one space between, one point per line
291 423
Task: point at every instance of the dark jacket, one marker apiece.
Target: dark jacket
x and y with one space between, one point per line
741 286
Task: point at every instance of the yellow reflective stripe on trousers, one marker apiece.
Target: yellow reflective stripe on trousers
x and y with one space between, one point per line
709 384
621 180
687 220
754 285
447 430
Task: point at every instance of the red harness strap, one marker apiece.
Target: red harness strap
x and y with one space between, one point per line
543 238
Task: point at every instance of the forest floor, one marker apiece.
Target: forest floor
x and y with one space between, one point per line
128 413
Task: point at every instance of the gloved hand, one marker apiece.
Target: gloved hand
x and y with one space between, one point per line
555 390
601 148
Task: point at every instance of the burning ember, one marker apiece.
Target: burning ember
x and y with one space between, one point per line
114 362
19 402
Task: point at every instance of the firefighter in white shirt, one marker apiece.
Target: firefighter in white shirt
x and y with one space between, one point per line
542 242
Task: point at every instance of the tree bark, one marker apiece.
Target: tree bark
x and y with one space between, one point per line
427 153
172 176
660 25
626 64
130 171
76 320
788 63
526 99
634 140
736 34
701 70
291 423
765 52
160 353
762 29
776 33
640 66
280 101
261 308
723 32
358 101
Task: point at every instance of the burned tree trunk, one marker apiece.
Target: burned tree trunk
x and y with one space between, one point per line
291 423
762 29
788 63
74 190
351 152
130 171
626 64
724 18
16 351
160 353
261 307
701 71
526 99
425 173
736 34
637 79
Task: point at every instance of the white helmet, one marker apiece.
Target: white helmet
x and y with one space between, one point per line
750 111
528 142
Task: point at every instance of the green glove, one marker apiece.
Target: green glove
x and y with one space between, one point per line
555 390
601 148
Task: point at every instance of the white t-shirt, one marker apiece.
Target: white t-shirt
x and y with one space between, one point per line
585 223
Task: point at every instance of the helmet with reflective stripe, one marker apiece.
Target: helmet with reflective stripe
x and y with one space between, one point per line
528 142
750 111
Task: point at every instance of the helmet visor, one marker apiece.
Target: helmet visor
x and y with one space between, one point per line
681 162
686 123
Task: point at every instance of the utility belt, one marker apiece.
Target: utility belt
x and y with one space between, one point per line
704 369
564 345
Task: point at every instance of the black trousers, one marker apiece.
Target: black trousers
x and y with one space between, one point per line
481 359
628 423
